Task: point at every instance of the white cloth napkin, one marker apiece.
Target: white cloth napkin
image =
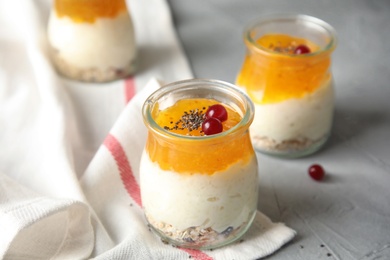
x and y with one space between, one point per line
61 196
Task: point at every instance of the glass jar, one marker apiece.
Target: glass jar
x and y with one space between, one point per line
287 74
92 40
199 191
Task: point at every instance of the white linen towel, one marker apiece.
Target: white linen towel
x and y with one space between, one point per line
63 197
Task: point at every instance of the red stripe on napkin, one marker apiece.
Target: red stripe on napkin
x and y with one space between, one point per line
129 89
124 168
196 254
132 187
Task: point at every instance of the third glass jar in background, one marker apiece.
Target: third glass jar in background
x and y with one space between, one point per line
92 41
287 74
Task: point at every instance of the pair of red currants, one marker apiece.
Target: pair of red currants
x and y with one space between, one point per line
215 115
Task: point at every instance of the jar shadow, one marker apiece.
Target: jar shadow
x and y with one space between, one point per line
350 124
298 209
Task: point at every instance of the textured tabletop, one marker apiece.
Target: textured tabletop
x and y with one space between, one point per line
346 216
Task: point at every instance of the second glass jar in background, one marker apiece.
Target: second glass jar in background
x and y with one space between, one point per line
292 89
198 191
92 40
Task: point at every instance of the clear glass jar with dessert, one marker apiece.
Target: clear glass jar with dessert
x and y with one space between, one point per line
199 172
92 40
287 74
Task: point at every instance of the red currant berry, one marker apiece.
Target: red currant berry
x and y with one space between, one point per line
316 172
211 126
301 49
217 111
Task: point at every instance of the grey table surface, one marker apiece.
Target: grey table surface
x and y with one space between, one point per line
346 216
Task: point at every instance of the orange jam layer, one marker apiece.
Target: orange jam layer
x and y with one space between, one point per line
271 76
197 155
87 11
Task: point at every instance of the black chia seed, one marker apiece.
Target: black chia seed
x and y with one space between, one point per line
191 120
188 240
227 231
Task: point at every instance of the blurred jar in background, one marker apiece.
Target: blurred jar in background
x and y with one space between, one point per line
287 74
92 40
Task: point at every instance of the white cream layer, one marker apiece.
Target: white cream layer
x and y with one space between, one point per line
218 201
309 117
108 42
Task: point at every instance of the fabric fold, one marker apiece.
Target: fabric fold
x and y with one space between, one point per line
42 227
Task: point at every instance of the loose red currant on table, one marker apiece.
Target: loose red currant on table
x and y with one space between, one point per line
212 126
301 49
316 172
217 111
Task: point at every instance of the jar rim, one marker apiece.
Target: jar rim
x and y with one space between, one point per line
198 83
251 42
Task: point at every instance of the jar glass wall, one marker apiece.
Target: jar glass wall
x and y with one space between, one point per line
287 73
199 191
92 40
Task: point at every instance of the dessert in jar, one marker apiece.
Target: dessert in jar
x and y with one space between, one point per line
92 40
199 172
287 74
